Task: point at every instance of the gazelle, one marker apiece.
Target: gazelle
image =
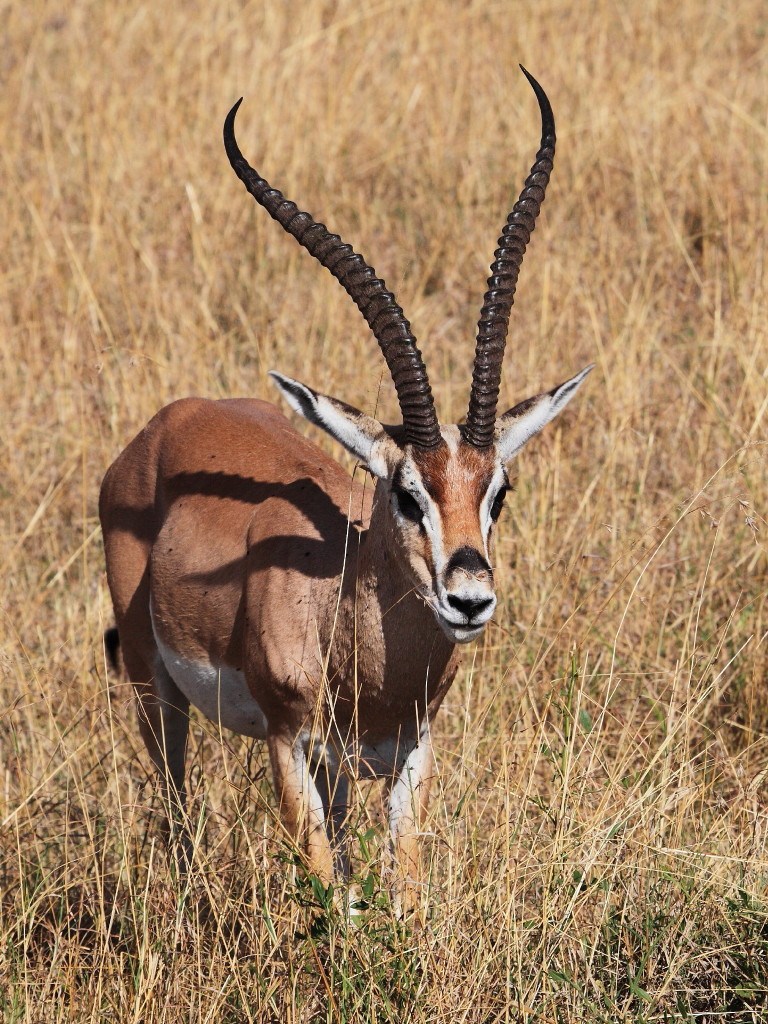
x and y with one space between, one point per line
254 578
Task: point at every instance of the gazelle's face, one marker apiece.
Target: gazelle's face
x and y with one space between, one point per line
444 503
443 500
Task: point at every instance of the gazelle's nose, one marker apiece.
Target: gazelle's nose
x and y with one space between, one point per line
468 583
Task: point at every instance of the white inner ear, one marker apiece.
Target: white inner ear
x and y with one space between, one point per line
361 435
515 429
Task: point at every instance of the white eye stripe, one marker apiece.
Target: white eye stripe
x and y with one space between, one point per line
410 478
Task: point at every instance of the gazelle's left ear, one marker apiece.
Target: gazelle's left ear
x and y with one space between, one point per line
361 435
519 425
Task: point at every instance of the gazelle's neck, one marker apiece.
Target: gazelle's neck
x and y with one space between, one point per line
387 642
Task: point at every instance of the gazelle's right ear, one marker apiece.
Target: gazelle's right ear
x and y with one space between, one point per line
527 418
361 435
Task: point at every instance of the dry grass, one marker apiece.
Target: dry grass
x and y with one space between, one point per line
599 845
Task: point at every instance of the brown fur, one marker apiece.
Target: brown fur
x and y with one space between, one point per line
458 483
238 528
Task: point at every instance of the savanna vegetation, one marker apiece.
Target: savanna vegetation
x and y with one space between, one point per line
598 841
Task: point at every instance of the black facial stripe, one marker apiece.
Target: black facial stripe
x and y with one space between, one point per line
468 559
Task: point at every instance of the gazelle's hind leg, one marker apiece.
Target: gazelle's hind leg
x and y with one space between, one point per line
163 713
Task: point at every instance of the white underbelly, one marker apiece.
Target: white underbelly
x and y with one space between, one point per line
219 692
222 695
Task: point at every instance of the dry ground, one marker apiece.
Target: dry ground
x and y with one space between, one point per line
599 841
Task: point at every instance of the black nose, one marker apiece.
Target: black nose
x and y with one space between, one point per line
468 559
469 606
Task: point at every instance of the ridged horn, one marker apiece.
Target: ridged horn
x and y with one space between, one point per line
369 293
500 295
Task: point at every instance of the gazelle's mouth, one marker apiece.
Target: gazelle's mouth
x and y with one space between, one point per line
460 633
461 620
459 630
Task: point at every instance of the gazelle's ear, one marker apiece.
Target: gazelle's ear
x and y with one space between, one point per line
519 425
361 435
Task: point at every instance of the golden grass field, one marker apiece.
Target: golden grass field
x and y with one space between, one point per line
598 840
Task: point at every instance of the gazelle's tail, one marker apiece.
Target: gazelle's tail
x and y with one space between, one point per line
112 647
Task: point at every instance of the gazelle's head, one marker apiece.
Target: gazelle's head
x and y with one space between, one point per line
444 486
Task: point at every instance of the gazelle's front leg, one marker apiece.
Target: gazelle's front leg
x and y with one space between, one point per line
333 788
301 806
408 802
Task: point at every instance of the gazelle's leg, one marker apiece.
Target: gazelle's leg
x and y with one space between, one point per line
333 788
301 806
408 802
164 727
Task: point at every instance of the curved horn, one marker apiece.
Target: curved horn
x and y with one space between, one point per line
498 299
377 304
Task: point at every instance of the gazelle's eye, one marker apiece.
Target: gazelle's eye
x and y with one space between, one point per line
498 503
408 506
